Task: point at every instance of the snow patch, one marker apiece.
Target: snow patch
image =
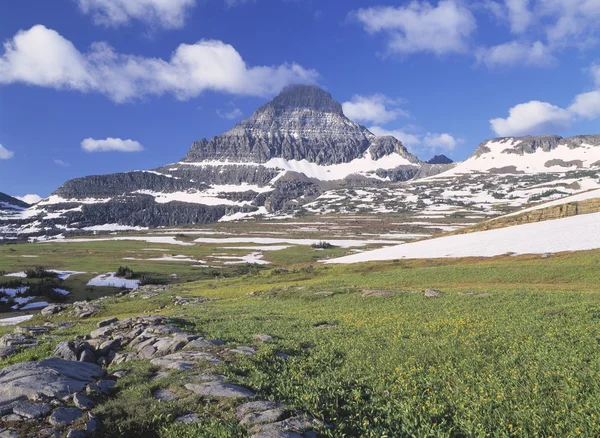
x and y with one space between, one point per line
575 233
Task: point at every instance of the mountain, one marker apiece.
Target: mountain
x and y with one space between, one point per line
287 153
533 154
8 202
300 152
440 159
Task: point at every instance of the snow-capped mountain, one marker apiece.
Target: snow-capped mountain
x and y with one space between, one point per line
540 154
286 154
299 151
10 204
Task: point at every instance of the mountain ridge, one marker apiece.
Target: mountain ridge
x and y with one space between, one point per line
292 151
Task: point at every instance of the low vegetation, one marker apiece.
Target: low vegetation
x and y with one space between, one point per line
510 348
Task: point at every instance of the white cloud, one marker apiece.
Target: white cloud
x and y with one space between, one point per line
232 114
408 139
516 53
61 163
421 27
444 141
376 108
169 14
535 117
572 22
421 144
530 118
5 154
586 105
40 56
111 144
519 15
595 71
30 198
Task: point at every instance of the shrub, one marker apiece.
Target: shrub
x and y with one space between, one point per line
40 272
125 272
322 245
45 288
146 279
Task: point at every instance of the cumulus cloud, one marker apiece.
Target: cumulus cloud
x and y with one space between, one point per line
444 141
529 118
409 140
595 71
231 114
169 14
421 27
110 144
519 15
30 198
516 53
421 144
41 56
61 163
376 108
5 154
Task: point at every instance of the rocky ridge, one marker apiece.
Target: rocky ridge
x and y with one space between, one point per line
55 397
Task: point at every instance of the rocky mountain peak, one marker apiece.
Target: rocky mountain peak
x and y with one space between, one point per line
298 97
440 159
303 122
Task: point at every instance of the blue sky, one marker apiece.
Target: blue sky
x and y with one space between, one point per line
102 86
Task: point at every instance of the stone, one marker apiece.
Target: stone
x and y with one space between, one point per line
270 416
198 344
7 352
67 350
101 332
53 309
91 426
107 346
31 410
119 374
106 386
147 352
107 321
263 337
87 356
188 419
82 401
52 377
8 402
184 360
277 434
8 433
11 417
74 433
164 395
204 378
255 406
49 432
123 357
219 390
243 349
432 293
300 423
64 416
93 389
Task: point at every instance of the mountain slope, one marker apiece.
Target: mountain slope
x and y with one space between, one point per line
521 155
286 154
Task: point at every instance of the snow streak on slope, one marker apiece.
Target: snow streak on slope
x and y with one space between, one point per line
569 234
500 155
592 194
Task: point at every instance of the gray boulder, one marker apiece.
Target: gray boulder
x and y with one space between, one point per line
52 377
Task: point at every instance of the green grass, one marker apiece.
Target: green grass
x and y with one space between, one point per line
521 357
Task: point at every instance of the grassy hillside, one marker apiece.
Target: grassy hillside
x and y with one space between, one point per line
511 348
